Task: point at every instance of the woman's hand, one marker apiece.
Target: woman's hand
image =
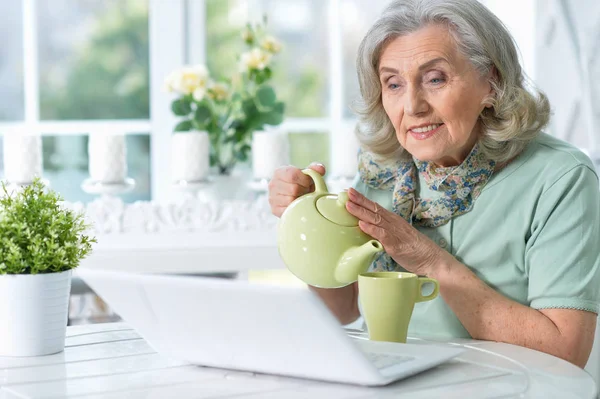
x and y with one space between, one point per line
289 183
410 248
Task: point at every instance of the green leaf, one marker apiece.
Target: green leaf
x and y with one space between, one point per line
279 107
259 77
181 107
184 126
241 154
266 96
202 114
249 108
236 97
267 72
240 134
274 116
213 159
237 124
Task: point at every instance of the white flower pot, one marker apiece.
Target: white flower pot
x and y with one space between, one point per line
107 158
270 150
22 157
33 313
190 156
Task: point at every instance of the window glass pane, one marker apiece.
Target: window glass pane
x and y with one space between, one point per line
357 17
66 166
300 71
11 61
93 59
309 147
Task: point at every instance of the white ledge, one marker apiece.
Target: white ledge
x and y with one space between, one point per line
110 215
187 236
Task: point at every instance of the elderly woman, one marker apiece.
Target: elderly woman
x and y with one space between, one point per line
458 183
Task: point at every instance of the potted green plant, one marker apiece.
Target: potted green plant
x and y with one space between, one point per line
229 110
41 242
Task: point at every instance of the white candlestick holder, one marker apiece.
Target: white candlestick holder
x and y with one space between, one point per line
190 159
107 158
107 165
22 158
344 157
192 187
101 188
270 150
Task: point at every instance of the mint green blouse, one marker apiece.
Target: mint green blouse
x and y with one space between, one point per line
533 235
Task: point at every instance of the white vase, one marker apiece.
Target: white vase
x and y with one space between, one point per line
107 158
22 157
33 313
270 150
344 158
190 156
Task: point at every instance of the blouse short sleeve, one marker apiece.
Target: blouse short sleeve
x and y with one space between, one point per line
562 257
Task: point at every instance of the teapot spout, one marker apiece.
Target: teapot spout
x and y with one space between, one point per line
356 260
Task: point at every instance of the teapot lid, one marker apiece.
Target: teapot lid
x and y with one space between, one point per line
333 208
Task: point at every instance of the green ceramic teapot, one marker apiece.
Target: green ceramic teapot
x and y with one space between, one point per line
320 241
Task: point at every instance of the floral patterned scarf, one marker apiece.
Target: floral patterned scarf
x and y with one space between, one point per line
459 185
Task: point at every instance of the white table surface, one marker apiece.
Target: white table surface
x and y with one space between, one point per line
112 361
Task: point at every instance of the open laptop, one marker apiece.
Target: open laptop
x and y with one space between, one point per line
238 325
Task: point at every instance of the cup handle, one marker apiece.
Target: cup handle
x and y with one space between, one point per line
436 289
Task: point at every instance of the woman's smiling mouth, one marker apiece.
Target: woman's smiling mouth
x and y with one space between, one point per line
425 132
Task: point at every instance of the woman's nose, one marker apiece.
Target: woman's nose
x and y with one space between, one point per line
415 103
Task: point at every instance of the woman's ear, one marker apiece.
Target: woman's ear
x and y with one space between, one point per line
492 79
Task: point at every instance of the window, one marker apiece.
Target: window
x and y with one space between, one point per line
356 19
11 61
74 68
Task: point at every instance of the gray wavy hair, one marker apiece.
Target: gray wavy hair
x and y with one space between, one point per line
515 116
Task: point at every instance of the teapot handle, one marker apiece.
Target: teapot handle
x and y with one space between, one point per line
320 186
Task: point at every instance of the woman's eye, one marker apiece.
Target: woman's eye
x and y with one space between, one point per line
393 86
436 79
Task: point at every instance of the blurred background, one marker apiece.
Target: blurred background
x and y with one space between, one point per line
68 67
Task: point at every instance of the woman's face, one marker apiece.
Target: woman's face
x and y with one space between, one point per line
433 95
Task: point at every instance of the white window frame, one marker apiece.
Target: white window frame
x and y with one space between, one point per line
177 36
31 122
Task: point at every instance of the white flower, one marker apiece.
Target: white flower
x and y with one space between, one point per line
170 81
218 91
255 59
199 93
187 79
271 45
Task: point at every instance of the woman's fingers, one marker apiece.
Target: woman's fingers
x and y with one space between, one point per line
319 167
377 232
281 187
281 200
293 175
365 209
289 183
363 201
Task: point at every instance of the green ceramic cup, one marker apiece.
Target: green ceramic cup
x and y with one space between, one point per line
387 300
